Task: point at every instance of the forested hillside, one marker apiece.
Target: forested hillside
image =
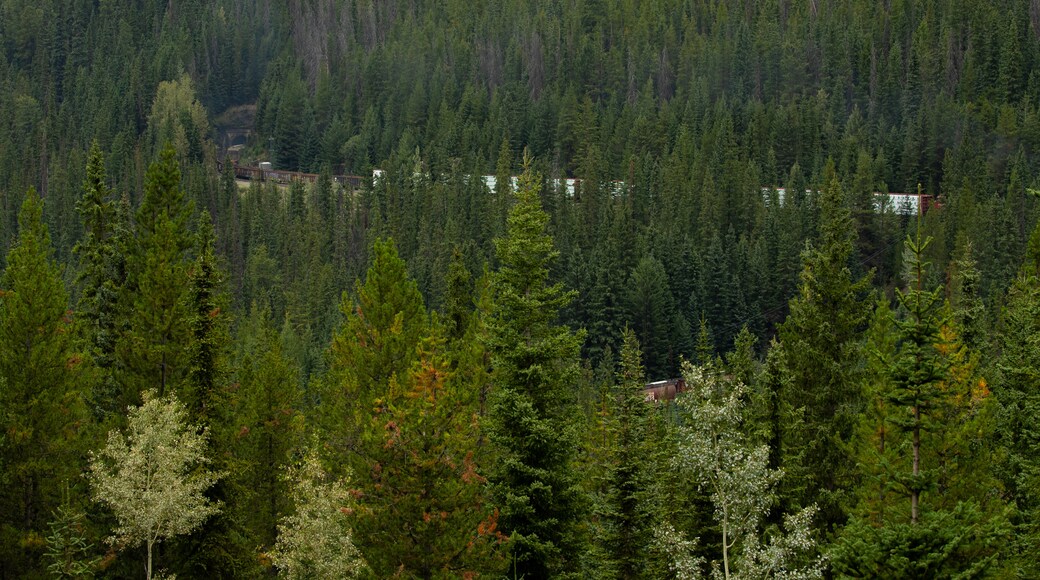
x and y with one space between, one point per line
436 374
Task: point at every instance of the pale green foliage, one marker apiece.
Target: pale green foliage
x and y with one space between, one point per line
719 457
679 551
774 559
316 541
177 117
153 477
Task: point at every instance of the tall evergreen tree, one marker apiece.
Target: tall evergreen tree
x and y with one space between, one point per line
41 406
268 427
927 434
384 324
423 510
531 420
658 324
917 369
820 338
153 352
208 320
102 274
216 550
1017 390
631 511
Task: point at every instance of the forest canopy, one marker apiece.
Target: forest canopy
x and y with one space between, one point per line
438 367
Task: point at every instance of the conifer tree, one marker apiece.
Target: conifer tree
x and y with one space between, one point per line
41 406
384 325
423 511
216 550
1017 389
268 426
458 299
534 363
917 369
820 338
927 506
102 274
632 511
153 352
203 393
659 326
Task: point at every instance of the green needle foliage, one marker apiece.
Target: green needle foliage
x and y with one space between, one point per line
153 352
821 340
102 274
532 415
632 509
42 413
69 553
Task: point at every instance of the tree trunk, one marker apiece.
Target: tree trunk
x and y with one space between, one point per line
725 546
915 491
148 568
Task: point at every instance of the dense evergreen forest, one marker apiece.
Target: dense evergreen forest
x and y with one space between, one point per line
433 377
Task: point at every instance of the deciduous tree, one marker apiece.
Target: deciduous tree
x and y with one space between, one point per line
154 476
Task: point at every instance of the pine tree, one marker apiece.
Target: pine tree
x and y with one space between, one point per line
422 491
929 506
1017 389
70 554
102 274
632 511
153 352
820 338
969 310
41 406
530 423
384 325
658 324
458 298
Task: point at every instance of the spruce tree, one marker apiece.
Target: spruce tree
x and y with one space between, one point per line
929 505
659 326
268 427
531 419
917 368
216 550
820 338
102 274
153 352
1017 389
41 406
632 508
208 319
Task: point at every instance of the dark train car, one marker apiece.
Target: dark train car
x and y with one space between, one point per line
665 390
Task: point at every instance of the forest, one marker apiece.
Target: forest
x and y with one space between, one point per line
442 372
